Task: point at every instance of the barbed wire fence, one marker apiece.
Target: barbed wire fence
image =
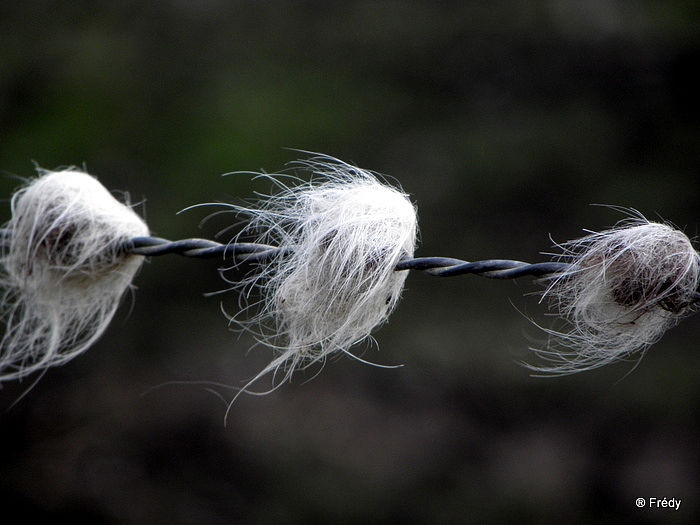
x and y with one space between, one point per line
329 261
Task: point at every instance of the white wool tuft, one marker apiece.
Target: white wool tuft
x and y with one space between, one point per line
344 231
626 287
63 273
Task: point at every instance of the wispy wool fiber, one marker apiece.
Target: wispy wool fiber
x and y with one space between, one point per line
625 288
63 271
343 232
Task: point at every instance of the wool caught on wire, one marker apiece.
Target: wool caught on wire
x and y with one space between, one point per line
624 288
328 267
343 233
63 270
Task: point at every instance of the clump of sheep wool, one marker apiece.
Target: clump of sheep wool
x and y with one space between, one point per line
625 287
342 233
63 269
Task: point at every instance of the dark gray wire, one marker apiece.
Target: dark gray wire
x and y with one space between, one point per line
491 268
437 266
260 253
202 249
253 252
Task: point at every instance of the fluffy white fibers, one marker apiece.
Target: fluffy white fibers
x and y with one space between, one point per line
626 287
63 272
343 232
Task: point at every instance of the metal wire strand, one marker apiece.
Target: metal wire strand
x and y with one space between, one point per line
436 266
260 253
251 252
202 249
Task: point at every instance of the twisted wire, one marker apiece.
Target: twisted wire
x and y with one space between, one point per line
260 253
252 252
202 249
436 266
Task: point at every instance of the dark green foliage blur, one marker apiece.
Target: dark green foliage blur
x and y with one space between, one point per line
503 120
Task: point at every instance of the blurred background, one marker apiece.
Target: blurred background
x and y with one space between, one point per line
503 120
